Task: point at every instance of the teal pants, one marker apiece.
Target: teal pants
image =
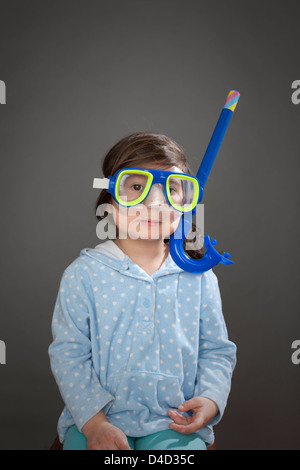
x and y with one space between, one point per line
162 440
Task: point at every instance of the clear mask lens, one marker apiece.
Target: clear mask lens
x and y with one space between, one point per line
133 188
182 192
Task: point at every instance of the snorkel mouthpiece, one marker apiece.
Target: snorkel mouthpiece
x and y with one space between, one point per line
211 257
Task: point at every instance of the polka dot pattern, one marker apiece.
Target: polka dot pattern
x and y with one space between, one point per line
136 345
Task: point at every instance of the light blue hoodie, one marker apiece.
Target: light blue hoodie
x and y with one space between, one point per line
137 345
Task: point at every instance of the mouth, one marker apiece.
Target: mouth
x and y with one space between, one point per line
150 222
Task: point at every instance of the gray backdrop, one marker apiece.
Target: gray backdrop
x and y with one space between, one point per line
82 74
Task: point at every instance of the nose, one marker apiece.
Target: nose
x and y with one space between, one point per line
156 197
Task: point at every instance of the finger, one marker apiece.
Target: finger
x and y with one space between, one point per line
185 429
188 405
123 444
178 418
196 422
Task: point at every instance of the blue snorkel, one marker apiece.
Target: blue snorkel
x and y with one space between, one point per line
211 257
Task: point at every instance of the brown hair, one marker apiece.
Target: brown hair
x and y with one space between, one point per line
142 148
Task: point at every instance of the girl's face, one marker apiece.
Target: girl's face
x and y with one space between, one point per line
154 218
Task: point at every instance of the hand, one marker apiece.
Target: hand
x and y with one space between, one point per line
102 435
204 410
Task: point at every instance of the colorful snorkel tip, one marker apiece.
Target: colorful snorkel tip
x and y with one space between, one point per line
211 257
232 100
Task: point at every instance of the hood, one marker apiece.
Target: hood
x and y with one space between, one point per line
111 255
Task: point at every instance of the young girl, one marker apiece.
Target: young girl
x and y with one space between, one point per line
140 349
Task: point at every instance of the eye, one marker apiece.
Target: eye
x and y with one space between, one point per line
137 187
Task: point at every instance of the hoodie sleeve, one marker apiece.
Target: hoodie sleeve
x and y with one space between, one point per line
70 352
217 355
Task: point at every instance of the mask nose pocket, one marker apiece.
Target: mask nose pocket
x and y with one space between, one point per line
138 390
156 196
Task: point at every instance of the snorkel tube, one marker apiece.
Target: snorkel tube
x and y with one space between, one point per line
211 257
